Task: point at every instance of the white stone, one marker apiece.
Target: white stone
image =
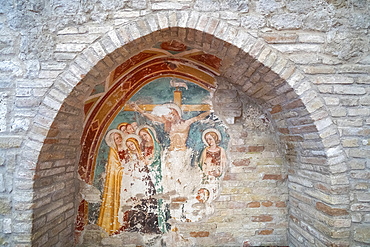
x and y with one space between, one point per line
3 111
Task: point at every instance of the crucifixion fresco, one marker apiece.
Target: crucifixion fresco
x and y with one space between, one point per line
162 160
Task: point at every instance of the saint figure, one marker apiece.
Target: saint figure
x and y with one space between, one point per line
108 217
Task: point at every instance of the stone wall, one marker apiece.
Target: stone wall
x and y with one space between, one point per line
314 81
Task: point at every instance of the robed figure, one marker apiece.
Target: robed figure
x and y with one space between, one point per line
108 217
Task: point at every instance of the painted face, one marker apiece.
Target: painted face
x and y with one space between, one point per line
210 140
129 129
131 145
122 128
117 139
172 116
146 137
134 125
203 195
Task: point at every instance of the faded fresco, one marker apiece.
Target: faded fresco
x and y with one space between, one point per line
162 160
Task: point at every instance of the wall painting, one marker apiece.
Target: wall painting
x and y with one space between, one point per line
162 161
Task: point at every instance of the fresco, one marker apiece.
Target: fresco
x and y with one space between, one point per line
162 160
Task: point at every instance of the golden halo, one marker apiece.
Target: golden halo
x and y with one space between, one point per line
121 124
208 131
138 138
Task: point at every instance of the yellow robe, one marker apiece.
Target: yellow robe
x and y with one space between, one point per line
108 217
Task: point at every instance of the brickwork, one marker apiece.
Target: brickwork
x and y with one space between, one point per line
305 63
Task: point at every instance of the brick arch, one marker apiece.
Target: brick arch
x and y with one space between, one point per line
270 79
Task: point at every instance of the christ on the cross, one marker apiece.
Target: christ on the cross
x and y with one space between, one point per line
175 126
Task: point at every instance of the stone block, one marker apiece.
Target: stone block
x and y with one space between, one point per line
349 90
7 142
311 38
362 234
333 79
70 47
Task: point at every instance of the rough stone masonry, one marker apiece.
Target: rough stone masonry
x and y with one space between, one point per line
303 64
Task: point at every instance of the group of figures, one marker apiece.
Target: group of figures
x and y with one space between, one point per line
141 174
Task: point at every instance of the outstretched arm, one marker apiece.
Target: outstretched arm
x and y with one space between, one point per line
197 118
146 114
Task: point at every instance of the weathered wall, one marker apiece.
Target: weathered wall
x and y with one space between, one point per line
325 41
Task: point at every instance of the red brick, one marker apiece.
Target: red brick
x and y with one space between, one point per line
267 203
255 149
280 204
179 199
242 162
262 218
284 130
266 232
199 234
272 177
292 138
253 205
294 104
329 210
231 176
276 109
303 129
294 219
239 148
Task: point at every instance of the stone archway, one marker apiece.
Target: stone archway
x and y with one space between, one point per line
275 83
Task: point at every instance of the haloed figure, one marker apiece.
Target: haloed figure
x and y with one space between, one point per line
108 217
138 208
213 157
151 151
129 129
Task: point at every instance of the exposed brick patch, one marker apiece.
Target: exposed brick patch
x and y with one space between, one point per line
267 203
253 205
272 177
303 129
239 148
262 218
231 176
294 219
276 109
179 199
329 210
266 232
295 104
242 162
199 234
255 149
283 130
292 138
280 204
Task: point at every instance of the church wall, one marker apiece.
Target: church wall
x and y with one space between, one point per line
325 40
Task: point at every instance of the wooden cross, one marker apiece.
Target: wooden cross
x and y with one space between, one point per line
177 99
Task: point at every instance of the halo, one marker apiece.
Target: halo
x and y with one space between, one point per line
121 124
148 127
131 136
208 131
109 140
